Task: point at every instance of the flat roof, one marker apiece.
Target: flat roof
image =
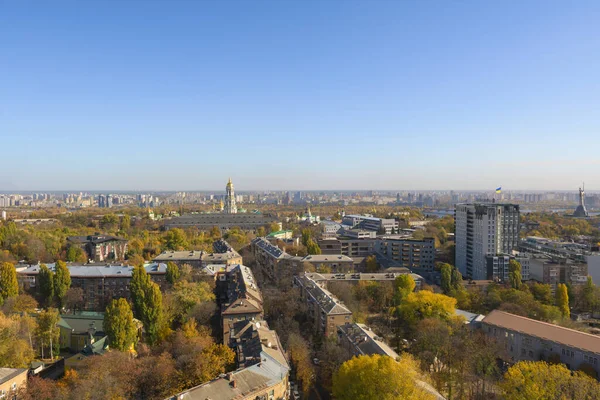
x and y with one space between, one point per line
90 271
544 330
6 374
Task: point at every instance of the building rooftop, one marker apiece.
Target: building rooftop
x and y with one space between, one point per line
95 239
82 323
366 341
91 271
265 365
326 300
360 276
544 330
327 258
6 374
271 249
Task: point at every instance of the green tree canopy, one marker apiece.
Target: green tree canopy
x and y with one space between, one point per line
119 325
446 283
562 300
379 377
514 274
62 281
46 284
172 272
404 285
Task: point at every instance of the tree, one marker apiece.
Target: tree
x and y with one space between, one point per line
514 274
74 299
424 304
562 300
9 286
456 280
47 332
301 359
305 236
189 294
379 377
172 272
119 325
371 264
15 349
175 239
404 285
76 254
541 292
147 302
446 283
312 247
46 284
527 380
125 222
62 281
588 296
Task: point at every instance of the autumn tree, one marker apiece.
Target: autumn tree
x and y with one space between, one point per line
119 325
312 247
46 284
562 300
47 332
74 299
175 239
456 280
379 377
300 356
541 292
61 281
9 286
528 380
514 274
446 279
371 264
76 254
172 274
15 350
425 304
404 285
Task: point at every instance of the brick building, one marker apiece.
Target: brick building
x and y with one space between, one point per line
100 248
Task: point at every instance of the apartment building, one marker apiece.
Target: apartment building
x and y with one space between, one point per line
100 248
238 296
324 309
370 223
526 339
554 271
222 253
409 253
100 284
11 381
484 229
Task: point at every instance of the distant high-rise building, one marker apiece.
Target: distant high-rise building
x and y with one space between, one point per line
229 206
484 229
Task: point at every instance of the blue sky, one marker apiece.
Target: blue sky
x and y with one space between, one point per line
180 95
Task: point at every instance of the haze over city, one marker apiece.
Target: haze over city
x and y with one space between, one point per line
317 95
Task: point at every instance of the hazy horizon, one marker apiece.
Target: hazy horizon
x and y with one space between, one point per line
173 96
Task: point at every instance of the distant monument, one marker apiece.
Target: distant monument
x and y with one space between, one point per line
581 211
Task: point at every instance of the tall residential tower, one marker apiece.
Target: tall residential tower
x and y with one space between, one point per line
484 229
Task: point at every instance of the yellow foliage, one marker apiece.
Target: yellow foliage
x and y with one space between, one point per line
425 304
379 377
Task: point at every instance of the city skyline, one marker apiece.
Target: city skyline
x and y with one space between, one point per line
299 96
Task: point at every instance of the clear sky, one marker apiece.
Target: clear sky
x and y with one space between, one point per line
338 94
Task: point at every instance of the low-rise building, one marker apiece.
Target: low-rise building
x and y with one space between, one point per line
323 308
554 271
224 222
368 222
223 254
335 263
100 284
531 340
239 298
100 248
11 381
77 329
268 256
409 253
